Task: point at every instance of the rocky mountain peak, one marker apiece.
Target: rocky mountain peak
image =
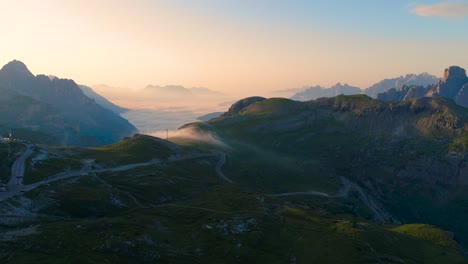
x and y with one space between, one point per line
16 69
454 73
454 78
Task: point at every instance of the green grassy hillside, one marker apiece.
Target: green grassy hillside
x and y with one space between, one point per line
167 219
426 232
341 180
410 156
137 149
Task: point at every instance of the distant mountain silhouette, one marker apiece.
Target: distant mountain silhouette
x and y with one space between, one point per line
315 92
67 114
422 79
454 86
179 92
101 100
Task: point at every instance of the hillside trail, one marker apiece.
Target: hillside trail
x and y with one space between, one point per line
380 215
221 162
15 183
342 192
17 189
17 170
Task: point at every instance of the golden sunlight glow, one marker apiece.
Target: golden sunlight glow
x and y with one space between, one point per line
136 43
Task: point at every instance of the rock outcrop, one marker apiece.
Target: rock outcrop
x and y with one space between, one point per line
454 78
453 86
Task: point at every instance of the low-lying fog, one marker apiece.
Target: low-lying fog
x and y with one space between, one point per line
156 122
156 109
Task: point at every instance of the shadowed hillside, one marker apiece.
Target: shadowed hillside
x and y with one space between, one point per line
61 109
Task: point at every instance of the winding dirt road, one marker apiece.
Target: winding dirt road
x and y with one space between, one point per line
17 170
342 192
15 189
15 185
380 215
220 163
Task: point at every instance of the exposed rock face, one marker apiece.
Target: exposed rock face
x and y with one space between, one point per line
454 78
85 123
239 106
315 92
404 93
391 95
454 86
462 96
415 92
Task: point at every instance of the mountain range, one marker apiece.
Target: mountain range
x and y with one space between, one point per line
179 92
315 92
55 109
454 86
422 79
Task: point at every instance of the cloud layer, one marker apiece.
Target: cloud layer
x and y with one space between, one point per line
443 9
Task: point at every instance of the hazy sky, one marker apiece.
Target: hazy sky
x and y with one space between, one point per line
234 46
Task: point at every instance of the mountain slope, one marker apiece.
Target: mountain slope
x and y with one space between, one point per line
209 116
102 101
85 123
21 113
408 158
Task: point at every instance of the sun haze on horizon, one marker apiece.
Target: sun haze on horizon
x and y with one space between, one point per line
234 47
